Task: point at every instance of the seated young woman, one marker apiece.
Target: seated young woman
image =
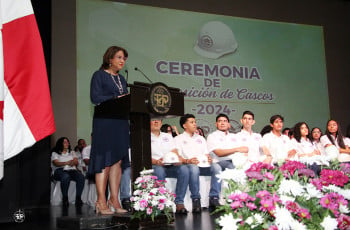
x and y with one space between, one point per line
334 137
304 146
315 137
65 164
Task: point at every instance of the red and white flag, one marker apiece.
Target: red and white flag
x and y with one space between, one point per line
25 105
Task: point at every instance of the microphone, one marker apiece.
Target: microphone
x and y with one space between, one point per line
137 69
127 75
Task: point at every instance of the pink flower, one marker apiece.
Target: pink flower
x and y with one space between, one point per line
292 206
263 194
243 196
257 167
273 227
161 200
149 211
345 167
143 203
332 202
233 196
275 198
318 183
335 177
266 205
161 206
236 204
269 176
251 206
344 222
304 213
291 167
254 175
306 173
162 190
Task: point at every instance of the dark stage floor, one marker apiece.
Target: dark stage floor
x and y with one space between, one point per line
46 219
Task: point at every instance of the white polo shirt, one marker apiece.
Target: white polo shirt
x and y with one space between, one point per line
279 146
221 140
305 146
191 146
320 147
63 157
161 144
253 142
342 157
86 152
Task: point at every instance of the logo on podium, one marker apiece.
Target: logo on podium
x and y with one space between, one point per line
160 98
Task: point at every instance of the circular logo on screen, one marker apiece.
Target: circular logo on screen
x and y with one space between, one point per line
206 41
160 98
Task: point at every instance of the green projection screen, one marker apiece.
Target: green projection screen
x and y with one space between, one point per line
224 64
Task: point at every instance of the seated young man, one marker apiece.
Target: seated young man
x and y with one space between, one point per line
193 148
221 144
248 138
162 144
276 146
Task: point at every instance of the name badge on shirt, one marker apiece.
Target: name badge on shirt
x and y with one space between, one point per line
199 141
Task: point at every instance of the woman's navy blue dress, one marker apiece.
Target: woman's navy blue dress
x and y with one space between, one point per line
110 137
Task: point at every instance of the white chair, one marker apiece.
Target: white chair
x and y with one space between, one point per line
204 188
56 194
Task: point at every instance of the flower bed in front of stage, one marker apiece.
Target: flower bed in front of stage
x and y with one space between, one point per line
287 197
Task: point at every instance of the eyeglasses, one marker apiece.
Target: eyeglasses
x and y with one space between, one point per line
121 57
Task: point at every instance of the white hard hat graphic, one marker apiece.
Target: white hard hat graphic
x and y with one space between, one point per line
215 39
170 158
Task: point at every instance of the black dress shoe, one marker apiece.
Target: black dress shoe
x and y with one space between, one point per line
78 202
214 202
126 203
196 206
180 209
65 202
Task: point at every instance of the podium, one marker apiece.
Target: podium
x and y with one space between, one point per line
144 101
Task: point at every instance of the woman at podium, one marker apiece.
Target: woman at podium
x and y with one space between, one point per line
110 139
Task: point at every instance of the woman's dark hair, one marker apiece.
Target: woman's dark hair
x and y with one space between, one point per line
338 135
313 129
265 129
109 54
59 145
201 131
285 129
297 133
165 127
